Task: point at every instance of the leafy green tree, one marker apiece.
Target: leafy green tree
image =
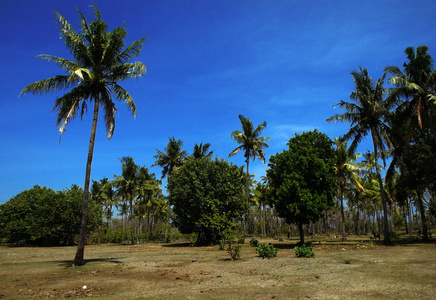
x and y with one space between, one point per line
302 178
368 114
170 161
44 217
252 144
99 64
207 196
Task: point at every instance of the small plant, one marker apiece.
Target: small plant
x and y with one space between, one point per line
234 249
254 243
222 244
347 261
393 235
304 251
241 240
266 250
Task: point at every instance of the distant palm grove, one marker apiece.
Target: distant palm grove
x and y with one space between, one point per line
316 186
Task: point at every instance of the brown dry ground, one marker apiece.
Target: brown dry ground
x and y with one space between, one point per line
177 271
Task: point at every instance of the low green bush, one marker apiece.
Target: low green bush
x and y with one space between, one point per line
266 250
254 243
304 251
234 250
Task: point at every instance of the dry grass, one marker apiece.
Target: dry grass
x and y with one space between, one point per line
177 271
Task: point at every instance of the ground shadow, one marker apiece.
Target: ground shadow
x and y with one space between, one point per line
69 263
177 245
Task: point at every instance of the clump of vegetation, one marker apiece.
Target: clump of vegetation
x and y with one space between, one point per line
234 249
266 250
393 235
347 261
304 251
254 243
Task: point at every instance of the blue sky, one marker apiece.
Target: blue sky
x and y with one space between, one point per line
283 62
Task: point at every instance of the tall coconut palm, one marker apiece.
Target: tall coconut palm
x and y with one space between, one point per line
416 85
100 62
346 171
252 145
170 161
368 115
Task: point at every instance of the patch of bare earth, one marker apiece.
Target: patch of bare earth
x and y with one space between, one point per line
175 271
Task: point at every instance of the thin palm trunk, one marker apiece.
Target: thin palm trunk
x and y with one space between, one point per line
423 218
386 239
344 238
247 197
78 260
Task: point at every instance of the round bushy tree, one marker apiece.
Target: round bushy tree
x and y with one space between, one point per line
207 196
302 178
45 217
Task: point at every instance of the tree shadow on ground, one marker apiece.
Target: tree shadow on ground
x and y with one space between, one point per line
177 245
69 263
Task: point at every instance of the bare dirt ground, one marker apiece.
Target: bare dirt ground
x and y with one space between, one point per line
177 271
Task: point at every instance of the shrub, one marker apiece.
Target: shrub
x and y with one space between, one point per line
347 261
304 251
234 249
393 235
266 250
254 243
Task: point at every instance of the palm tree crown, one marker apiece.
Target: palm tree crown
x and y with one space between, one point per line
251 142
172 158
417 86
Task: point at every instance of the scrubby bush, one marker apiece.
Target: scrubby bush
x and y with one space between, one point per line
254 242
234 250
304 251
266 250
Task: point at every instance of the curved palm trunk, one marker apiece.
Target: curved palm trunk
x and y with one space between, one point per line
386 239
78 260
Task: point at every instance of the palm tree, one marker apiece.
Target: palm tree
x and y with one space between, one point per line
99 64
170 161
417 86
346 172
252 144
126 184
201 151
146 188
368 115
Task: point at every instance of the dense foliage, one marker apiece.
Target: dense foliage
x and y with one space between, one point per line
207 196
302 178
304 251
44 217
266 250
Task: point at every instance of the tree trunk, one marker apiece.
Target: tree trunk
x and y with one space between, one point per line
78 260
301 230
423 219
247 197
386 239
167 226
341 196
